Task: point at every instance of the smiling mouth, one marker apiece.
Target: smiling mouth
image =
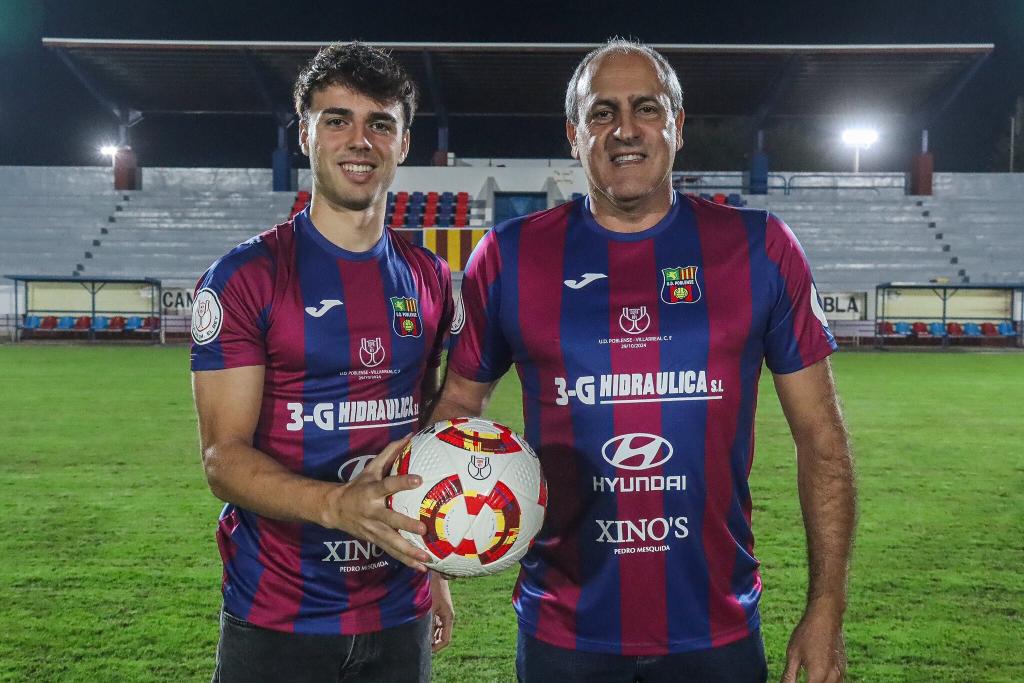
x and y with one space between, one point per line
628 159
350 167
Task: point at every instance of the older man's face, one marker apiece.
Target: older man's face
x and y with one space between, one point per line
627 136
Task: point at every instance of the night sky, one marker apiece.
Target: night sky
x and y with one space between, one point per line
48 118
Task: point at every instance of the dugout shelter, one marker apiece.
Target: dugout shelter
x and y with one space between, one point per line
950 314
96 308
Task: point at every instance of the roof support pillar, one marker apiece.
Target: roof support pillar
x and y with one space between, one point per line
285 178
440 111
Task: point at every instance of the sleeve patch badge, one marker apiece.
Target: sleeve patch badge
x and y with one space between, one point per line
207 316
459 317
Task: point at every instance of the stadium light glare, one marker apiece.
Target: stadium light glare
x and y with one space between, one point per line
859 138
109 150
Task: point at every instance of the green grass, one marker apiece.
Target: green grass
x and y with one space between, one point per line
109 570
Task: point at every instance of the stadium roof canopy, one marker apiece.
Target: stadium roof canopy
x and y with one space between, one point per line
528 79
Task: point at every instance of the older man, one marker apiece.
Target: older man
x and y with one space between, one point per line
638 320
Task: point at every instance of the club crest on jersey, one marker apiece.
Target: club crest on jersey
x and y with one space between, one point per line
406 318
371 352
634 320
679 285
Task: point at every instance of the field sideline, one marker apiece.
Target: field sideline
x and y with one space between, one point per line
109 569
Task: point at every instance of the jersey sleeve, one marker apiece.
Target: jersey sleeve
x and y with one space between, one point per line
444 277
798 334
480 351
230 310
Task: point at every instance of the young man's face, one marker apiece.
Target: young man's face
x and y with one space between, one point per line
627 136
354 145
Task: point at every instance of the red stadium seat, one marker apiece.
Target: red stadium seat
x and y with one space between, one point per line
398 218
954 329
83 322
49 323
150 323
116 324
919 329
885 327
989 330
719 198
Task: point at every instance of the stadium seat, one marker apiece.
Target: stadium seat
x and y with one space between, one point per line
954 329
735 199
83 322
919 329
100 323
972 330
989 330
885 328
903 328
150 323
719 198
116 324
133 323
65 323
1006 329
48 323
31 322
937 329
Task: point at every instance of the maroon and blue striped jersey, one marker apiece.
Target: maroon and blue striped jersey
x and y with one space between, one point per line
345 338
639 356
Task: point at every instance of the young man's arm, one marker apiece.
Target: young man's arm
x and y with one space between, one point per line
228 404
825 480
461 397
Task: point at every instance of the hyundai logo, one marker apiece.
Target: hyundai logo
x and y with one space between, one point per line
636 451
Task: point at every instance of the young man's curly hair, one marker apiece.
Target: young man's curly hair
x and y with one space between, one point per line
367 70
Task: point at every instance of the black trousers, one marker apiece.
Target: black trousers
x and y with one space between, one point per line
250 654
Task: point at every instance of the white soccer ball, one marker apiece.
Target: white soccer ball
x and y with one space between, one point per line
482 499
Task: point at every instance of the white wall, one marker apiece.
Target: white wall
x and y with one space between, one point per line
978 185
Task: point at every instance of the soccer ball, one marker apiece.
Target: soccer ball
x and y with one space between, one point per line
482 499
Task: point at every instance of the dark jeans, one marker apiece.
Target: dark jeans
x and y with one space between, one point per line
250 654
739 662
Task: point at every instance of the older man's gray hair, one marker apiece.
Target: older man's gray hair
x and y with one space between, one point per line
666 74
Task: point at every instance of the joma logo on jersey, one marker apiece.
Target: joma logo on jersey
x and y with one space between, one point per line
406 320
679 285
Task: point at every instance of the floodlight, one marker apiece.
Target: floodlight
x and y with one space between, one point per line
859 138
108 150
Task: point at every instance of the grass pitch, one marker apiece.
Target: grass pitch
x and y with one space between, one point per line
109 569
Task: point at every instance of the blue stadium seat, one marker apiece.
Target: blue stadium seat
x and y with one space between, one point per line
1006 329
100 322
937 329
972 330
31 322
735 200
444 220
66 323
133 323
903 327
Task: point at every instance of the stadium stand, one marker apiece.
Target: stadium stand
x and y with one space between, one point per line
48 230
174 235
984 234
856 243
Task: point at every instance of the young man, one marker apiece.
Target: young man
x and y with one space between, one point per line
638 320
315 344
